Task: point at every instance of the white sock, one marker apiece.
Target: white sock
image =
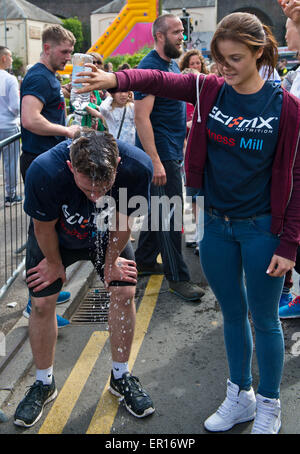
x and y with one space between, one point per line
45 375
119 369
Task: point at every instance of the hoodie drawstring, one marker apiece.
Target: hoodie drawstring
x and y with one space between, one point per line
198 98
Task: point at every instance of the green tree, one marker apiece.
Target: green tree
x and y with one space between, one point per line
75 26
133 60
18 65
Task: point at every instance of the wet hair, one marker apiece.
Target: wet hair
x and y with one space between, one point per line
247 29
185 60
94 154
56 34
161 24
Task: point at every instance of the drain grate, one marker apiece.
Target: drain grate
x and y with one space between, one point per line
93 309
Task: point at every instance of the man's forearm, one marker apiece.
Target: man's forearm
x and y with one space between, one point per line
118 239
116 244
146 136
41 126
48 242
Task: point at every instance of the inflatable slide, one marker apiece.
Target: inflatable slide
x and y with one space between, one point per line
129 32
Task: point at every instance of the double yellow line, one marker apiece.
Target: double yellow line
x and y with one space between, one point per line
107 407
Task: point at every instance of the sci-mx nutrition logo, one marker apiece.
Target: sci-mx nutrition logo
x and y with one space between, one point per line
240 123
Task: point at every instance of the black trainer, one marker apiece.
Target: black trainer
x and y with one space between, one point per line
147 270
30 409
136 400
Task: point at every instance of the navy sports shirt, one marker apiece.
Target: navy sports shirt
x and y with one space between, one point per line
242 135
51 192
168 116
41 83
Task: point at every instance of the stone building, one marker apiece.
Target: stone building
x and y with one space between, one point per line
98 14
21 26
70 8
202 12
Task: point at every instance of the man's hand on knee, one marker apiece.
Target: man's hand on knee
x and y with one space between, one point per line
44 274
121 270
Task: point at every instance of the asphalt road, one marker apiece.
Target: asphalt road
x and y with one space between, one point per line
179 357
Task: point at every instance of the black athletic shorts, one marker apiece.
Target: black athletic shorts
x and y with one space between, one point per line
69 256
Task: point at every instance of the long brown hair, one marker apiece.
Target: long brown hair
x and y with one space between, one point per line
247 29
185 60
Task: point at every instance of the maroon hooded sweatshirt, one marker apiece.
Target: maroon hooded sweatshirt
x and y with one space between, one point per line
202 91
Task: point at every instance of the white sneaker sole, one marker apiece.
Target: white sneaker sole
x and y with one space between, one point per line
62 302
228 427
147 412
289 316
26 314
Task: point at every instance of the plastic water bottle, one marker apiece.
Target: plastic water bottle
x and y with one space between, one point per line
79 101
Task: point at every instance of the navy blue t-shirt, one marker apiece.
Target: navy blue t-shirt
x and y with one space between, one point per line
42 83
51 193
168 117
242 134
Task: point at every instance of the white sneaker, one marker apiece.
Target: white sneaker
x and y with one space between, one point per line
237 407
268 412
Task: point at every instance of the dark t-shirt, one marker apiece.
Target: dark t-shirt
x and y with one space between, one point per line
42 83
242 135
168 117
51 193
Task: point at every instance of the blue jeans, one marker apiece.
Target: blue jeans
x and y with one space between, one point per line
235 255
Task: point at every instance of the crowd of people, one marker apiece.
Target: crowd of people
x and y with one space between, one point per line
234 124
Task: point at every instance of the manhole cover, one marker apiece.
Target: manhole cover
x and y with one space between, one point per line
93 309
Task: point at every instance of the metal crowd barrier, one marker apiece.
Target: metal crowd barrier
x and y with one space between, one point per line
13 220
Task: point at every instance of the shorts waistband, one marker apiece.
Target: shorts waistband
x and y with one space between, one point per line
213 212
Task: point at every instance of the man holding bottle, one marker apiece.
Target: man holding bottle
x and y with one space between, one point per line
43 120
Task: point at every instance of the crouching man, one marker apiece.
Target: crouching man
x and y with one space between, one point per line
61 191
